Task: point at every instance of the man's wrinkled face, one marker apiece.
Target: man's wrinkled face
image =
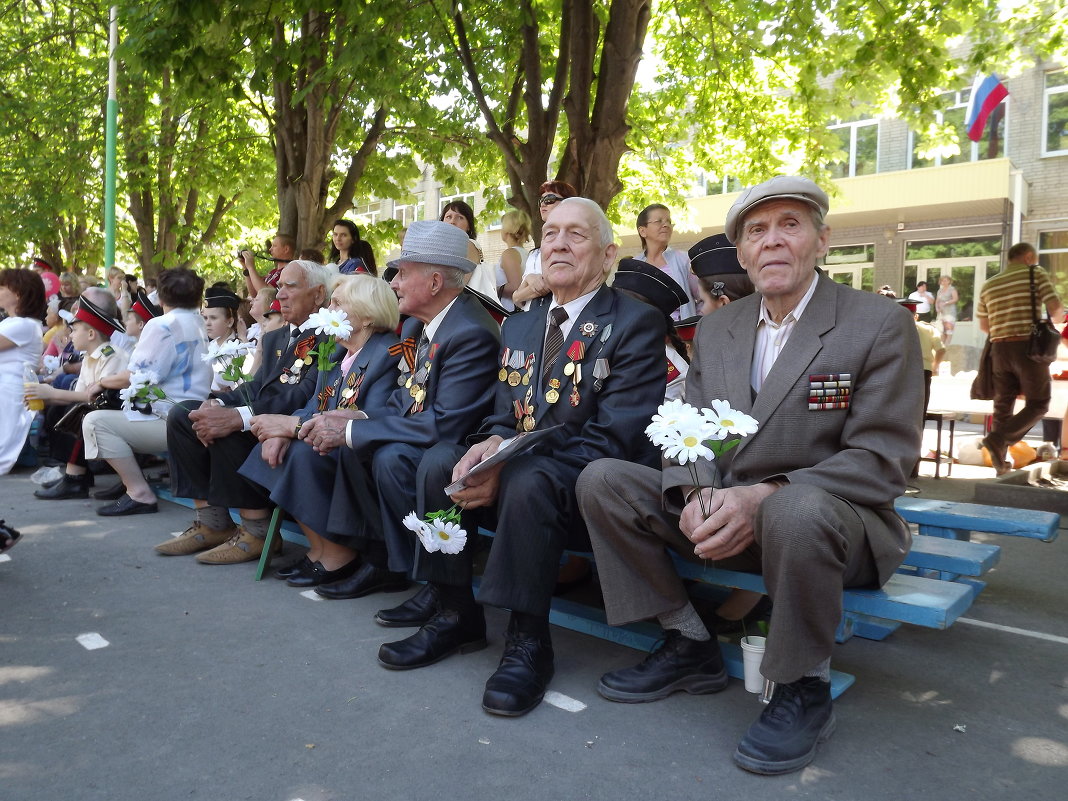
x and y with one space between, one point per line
778 246
573 259
414 284
297 299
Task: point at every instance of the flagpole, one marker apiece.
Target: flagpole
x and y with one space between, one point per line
111 123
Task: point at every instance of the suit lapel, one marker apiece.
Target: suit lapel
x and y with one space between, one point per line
737 357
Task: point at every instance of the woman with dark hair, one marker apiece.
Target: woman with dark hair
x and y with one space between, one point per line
22 297
654 230
459 214
350 253
171 348
533 285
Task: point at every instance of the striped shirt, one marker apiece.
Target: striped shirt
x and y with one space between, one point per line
1005 301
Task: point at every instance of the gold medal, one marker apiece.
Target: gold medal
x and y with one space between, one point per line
513 378
528 423
420 396
503 374
569 368
552 396
307 359
408 383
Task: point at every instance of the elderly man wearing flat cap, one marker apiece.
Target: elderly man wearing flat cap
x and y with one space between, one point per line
448 360
585 364
832 376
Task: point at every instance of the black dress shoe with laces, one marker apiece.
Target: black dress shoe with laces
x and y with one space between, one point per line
111 493
784 738
67 487
679 664
315 574
416 611
302 564
127 506
448 632
525 670
364 581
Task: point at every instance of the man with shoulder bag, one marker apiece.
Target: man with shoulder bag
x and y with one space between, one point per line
1022 345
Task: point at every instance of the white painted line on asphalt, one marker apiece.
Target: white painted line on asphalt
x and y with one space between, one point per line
4 557
1038 635
312 595
91 641
564 702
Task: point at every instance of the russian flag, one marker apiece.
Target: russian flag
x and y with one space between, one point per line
986 94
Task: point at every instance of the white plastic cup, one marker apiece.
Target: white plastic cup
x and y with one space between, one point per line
752 656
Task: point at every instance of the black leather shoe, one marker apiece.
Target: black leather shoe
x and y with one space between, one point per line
416 611
997 455
111 493
525 671
302 564
316 574
66 487
364 581
127 506
678 664
448 632
784 738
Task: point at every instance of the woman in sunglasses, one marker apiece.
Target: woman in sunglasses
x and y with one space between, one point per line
533 285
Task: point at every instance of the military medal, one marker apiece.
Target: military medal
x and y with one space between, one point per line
528 409
553 395
601 371
324 397
515 362
503 374
575 397
588 329
575 354
529 369
606 333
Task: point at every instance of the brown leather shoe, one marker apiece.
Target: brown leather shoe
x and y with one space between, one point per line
197 537
242 547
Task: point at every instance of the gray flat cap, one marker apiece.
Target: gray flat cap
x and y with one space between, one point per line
433 242
781 187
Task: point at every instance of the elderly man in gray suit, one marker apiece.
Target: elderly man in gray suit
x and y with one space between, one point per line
834 378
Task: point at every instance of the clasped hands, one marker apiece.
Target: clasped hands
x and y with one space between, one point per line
728 528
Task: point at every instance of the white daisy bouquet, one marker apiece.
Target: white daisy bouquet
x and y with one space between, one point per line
439 531
231 355
686 434
143 390
335 324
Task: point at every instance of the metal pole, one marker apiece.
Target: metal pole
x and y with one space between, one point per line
111 124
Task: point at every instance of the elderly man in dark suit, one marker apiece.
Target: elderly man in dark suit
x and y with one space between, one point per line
208 445
834 378
587 359
448 354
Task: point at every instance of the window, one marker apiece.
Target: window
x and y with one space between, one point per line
710 184
956 106
444 200
368 213
1053 255
859 141
1056 113
850 254
407 213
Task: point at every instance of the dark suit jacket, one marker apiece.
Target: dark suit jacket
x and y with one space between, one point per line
606 423
379 371
267 393
862 453
459 386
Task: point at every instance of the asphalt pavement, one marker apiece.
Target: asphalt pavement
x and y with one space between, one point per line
214 686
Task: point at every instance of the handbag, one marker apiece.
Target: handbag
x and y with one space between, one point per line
983 384
1045 339
71 421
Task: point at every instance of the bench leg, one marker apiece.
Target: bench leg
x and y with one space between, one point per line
272 532
872 628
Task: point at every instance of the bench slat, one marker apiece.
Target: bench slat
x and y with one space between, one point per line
952 556
978 517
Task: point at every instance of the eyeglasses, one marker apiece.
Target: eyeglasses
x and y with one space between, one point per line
658 223
549 200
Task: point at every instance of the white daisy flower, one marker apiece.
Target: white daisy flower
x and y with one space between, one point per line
670 418
412 522
333 322
688 445
50 363
727 421
448 537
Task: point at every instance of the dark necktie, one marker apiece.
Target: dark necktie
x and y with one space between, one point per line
554 340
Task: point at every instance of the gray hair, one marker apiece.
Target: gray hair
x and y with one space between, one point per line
451 277
608 236
317 274
103 299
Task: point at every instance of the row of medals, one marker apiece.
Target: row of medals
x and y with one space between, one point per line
416 383
292 376
518 360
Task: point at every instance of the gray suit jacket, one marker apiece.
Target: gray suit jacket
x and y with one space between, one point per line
862 453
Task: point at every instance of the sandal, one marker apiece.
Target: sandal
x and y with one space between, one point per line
8 537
